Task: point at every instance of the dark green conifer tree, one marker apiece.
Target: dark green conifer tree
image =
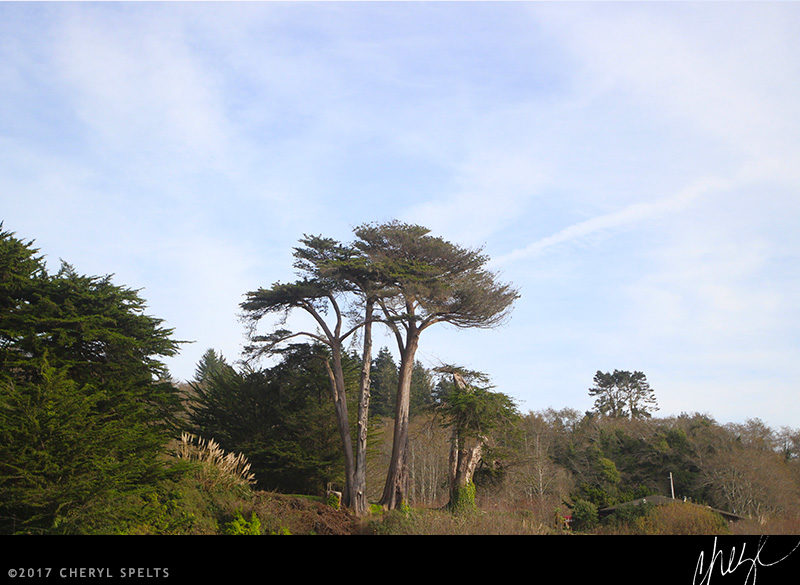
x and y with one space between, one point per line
86 405
281 418
383 384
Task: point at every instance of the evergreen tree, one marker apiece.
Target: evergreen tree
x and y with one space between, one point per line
474 412
281 418
384 384
623 394
210 365
425 280
86 406
384 380
421 389
332 275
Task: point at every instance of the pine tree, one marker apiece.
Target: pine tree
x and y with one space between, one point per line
421 389
211 364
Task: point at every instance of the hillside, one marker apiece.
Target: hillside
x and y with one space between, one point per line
303 515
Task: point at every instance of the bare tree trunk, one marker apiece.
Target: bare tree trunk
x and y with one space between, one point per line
452 467
396 487
340 405
463 463
360 474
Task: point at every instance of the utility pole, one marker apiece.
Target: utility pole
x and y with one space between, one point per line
671 485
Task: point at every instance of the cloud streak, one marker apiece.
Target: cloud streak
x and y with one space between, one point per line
633 168
630 215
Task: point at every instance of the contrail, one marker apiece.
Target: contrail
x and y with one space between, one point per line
631 214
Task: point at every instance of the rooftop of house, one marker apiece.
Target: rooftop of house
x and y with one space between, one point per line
663 500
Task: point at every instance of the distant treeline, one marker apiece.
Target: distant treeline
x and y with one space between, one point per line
544 461
91 421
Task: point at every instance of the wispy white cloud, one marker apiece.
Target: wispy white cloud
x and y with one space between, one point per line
491 190
135 81
633 168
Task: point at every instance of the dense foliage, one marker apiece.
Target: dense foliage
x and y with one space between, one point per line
85 406
623 394
280 417
87 415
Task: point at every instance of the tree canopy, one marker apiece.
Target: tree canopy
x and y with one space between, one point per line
85 401
623 394
426 280
280 417
435 280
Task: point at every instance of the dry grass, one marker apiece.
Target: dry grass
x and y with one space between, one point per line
673 519
785 525
441 522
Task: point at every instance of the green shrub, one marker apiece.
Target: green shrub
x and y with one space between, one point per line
584 515
609 471
334 501
627 517
400 521
240 526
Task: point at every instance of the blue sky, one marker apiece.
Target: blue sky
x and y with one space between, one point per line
632 167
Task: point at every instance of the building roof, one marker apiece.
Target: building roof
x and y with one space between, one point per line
662 500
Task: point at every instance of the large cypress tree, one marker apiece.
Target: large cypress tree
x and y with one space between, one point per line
426 280
337 279
623 394
85 403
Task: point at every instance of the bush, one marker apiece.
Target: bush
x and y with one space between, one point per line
217 468
584 515
402 521
240 526
627 518
681 518
334 500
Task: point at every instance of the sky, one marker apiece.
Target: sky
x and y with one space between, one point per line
632 168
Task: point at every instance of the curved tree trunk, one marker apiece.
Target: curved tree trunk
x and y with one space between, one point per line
360 474
396 487
340 405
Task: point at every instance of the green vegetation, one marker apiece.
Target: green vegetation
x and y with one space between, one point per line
334 501
281 417
95 438
623 394
240 526
584 515
85 403
463 499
